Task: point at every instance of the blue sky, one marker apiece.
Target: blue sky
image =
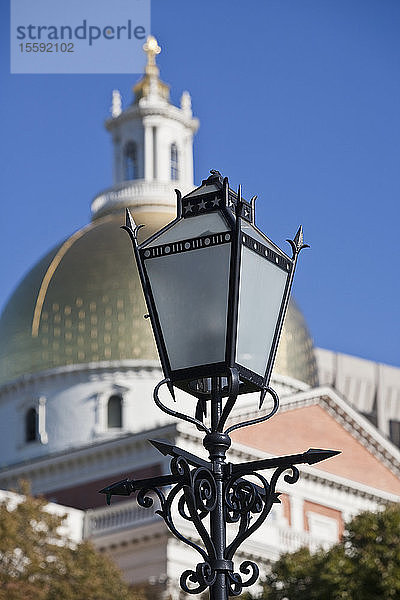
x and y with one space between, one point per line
298 100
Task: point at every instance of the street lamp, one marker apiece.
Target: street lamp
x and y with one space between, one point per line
212 282
217 291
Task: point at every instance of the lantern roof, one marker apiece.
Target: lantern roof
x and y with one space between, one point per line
215 196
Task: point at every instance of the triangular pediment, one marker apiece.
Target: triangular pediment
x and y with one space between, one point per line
321 419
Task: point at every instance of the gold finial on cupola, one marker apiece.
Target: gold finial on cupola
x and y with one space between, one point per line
151 48
150 83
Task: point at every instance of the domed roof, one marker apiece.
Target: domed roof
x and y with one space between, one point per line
295 356
83 303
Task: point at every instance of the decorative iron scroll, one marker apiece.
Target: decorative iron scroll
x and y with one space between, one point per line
195 497
213 495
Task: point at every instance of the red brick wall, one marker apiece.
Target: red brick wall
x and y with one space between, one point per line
312 427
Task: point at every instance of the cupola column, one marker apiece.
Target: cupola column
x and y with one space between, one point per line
153 146
148 153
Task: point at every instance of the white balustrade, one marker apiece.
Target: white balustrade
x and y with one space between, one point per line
291 540
101 521
134 192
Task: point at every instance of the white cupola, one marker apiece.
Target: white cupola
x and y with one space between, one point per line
153 145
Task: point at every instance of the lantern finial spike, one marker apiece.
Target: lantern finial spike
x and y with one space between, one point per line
131 227
262 397
239 203
178 204
299 237
225 188
129 220
171 389
253 208
297 244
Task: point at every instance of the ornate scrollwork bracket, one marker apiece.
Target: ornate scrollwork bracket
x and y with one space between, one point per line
212 495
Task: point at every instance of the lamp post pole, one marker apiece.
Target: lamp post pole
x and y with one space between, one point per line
217 444
215 358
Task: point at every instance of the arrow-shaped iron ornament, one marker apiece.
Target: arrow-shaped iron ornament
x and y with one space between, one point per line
126 487
311 457
195 481
195 485
169 450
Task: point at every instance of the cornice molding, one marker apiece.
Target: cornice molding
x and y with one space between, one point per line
96 452
168 111
141 368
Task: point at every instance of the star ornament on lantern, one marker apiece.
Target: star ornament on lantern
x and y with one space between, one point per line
202 205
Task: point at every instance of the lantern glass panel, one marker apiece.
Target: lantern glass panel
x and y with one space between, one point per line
262 286
190 290
197 226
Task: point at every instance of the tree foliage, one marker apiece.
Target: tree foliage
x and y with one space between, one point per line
364 565
37 562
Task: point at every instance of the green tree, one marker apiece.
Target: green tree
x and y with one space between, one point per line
37 563
365 565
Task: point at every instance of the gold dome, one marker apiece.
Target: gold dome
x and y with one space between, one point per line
295 356
83 303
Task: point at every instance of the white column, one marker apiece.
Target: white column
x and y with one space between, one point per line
156 170
100 412
162 134
124 416
42 420
148 153
297 512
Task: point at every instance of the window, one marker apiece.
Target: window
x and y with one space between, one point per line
31 425
174 162
395 432
130 161
324 529
114 411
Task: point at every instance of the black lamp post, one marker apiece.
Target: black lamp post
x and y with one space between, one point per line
217 290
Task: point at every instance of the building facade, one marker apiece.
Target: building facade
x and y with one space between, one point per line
78 366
